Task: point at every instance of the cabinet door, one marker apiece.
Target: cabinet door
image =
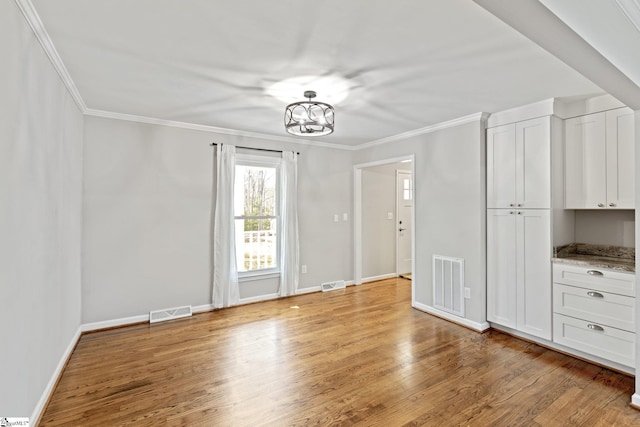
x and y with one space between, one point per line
501 267
534 272
620 159
585 169
501 167
533 163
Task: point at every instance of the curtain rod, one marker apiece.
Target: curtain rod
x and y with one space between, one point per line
252 148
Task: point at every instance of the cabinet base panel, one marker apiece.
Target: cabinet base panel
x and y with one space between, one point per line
627 370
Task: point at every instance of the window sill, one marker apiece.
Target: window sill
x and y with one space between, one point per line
249 277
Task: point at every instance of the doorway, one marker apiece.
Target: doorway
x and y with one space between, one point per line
362 232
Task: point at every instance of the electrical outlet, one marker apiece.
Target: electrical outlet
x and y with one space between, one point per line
467 293
336 218
389 215
345 216
303 269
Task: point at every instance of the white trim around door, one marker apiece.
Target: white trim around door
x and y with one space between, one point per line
357 216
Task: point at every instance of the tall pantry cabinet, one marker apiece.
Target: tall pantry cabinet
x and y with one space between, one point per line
519 202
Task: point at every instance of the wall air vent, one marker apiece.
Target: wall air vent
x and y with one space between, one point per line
331 286
448 284
169 314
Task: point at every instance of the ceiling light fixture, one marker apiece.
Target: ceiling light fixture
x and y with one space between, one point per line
309 118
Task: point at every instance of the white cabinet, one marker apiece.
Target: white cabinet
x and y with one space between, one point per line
620 159
519 165
594 311
519 270
599 160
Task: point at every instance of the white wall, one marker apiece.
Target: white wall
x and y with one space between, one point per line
40 217
604 227
378 231
450 214
147 211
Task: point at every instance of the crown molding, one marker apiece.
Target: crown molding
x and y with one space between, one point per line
207 128
525 112
482 117
33 19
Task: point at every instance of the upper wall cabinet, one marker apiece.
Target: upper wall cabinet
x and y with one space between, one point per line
599 160
519 165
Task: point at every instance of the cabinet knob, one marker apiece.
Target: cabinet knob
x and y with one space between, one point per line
511 212
519 213
511 205
601 205
613 205
595 327
595 273
595 294
519 205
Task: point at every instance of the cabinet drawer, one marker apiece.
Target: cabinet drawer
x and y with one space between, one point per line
602 341
599 307
595 278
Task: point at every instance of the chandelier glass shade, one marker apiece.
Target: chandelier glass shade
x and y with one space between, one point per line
309 118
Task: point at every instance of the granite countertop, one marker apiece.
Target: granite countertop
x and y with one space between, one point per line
602 256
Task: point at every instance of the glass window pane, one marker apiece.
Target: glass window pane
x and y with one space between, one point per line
256 244
255 191
406 194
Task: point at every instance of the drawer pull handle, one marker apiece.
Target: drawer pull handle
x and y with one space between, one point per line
595 327
594 273
595 294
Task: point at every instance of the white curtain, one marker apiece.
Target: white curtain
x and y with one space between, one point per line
225 272
290 252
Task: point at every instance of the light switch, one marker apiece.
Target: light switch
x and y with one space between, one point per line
389 215
336 218
303 269
345 216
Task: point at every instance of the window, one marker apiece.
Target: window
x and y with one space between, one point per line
257 219
407 189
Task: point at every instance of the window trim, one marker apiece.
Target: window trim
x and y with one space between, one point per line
271 162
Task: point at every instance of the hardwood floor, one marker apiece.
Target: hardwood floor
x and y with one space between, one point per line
360 356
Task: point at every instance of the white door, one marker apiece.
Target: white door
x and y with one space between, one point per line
501 267
404 204
620 159
585 162
501 167
533 163
533 248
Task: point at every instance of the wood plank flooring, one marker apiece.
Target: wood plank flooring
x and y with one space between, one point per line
360 356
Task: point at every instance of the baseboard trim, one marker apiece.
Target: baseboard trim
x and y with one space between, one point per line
308 290
202 308
478 327
259 298
55 377
635 401
380 277
106 324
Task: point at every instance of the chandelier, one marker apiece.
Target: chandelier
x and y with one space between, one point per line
309 118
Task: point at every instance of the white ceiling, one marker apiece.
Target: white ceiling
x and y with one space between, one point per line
409 63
